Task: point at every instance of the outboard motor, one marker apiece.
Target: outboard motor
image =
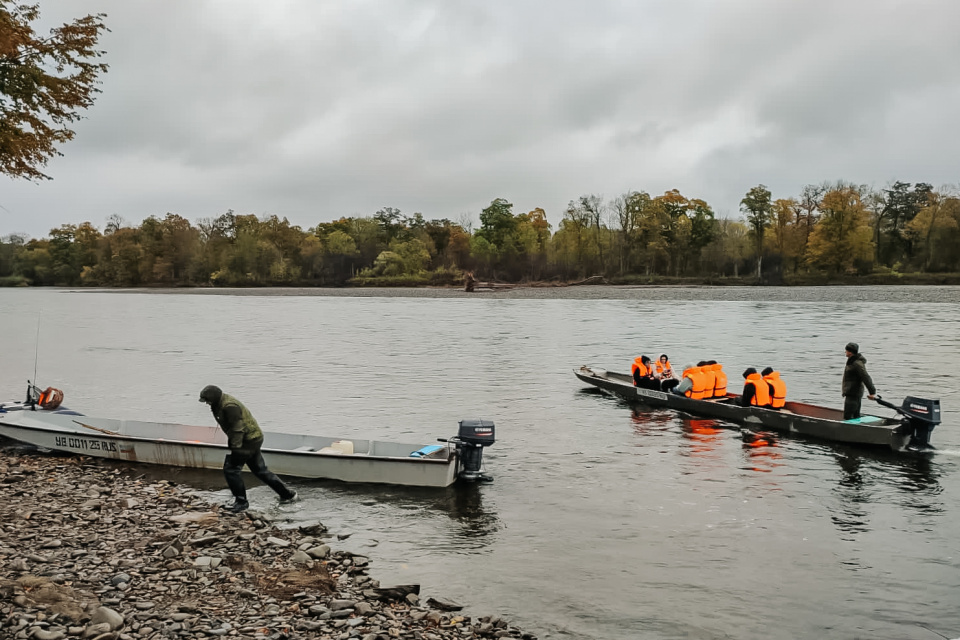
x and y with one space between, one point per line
472 437
919 417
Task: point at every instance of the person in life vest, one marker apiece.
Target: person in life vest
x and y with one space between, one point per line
777 387
720 384
664 373
693 384
245 439
756 393
709 378
643 374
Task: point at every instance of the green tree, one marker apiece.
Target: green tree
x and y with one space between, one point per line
44 83
935 232
758 208
497 223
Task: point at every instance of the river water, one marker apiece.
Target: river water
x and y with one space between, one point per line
605 521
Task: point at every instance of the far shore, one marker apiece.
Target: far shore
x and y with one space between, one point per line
906 294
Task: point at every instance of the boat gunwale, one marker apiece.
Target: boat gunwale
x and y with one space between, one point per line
451 459
620 379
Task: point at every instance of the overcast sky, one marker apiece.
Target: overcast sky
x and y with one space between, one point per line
315 110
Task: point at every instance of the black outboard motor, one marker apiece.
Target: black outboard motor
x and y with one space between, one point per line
473 436
920 416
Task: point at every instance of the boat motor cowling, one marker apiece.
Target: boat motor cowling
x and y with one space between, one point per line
918 418
472 436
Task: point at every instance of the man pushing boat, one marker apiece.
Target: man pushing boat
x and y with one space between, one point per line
245 439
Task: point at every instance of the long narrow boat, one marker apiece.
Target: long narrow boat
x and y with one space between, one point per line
796 417
204 447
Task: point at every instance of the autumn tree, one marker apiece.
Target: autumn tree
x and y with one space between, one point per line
44 84
842 238
935 232
758 208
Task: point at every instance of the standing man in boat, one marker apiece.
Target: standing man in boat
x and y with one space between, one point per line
245 439
855 378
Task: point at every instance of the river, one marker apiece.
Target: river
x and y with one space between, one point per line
605 521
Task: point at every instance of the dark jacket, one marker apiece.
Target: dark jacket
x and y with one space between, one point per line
237 422
855 377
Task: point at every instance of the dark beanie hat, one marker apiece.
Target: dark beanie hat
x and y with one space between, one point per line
211 395
748 371
767 371
853 347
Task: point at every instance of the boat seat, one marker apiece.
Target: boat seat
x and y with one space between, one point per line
864 420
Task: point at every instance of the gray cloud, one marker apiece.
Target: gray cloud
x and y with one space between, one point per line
316 110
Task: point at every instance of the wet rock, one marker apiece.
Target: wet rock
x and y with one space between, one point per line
301 557
108 616
277 542
319 552
443 605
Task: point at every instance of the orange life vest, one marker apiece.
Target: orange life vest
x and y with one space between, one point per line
709 380
639 366
699 383
761 395
663 368
720 386
50 399
778 389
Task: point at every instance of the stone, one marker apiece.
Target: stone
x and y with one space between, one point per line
277 542
301 557
109 616
319 552
96 629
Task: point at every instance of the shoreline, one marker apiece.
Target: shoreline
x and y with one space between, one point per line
89 550
894 293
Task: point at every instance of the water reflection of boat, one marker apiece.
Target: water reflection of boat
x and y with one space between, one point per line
761 449
702 435
864 477
651 422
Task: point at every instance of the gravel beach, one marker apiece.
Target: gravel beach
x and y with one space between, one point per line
90 550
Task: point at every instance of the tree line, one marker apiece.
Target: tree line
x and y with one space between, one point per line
828 229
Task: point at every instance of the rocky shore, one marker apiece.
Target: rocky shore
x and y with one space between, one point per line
90 551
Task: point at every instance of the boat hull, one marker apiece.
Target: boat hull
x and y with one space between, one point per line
797 418
200 447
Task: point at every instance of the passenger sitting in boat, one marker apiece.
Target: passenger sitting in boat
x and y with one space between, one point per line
643 377
709 378
778 388
720 385
693 384
756 393
666 376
